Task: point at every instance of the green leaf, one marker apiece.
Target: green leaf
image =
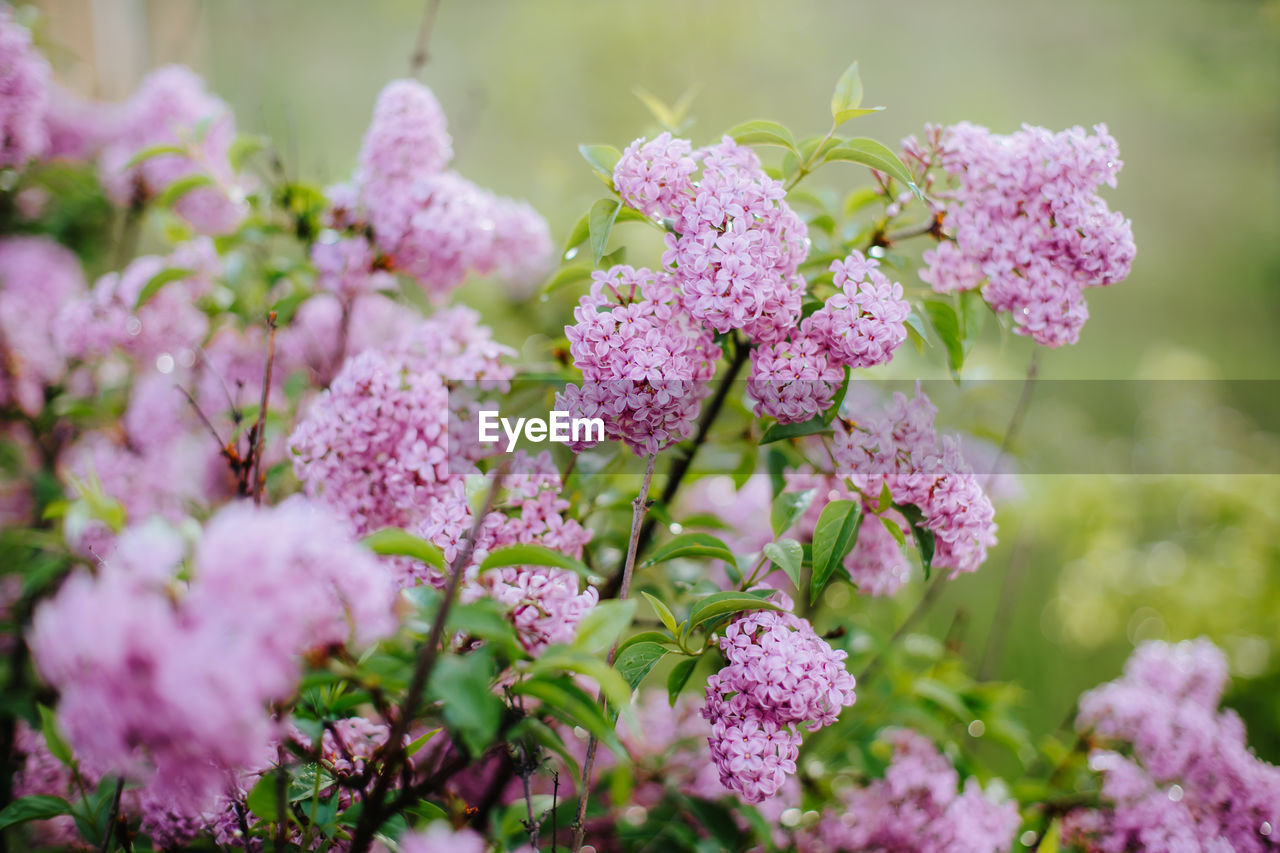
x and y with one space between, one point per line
36 807
637 660
945 322
942 696
566 276
548 737
155 151
559 658
394 542
487 620
915 329
923 535
787 509
788 555
603 159
720 604
562 698
600 225
834 412
678 678
647 637
461 683
661 113
848 93
577 234
53 737
873 154
762 132
664 613
159 280
416 746
181 187
603 624
242 148
264 797
533 555
746 466
833 538
780 432
692 545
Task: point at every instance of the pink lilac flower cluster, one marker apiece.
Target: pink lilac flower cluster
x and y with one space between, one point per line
545 604
1026 220
900 448
37 277
168 324
778 675
433 224
736 246
877 563
24 94
1181 776
645 362
376 444
916 808
173 108
347 266
796 379
188 669
865 321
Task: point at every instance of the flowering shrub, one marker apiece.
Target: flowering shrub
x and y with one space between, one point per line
266 587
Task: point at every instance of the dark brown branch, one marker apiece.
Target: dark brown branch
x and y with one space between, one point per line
418 60
261 427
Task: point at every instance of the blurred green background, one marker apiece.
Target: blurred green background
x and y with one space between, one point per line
1087 565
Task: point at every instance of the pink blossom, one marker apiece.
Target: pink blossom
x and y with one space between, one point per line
24 93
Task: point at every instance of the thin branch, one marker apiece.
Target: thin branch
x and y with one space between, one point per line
109 832
371 816
680 466
638 508
260 428
418 60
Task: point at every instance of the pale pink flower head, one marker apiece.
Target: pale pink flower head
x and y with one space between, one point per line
24 95
37 278
645 362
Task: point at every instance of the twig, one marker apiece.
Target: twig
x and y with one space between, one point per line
638 508
680 466
420 56
260 428
111 819
370 816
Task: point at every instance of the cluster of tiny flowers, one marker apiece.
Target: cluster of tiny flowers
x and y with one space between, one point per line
1186 778
796 379
347 266
37 277
173 108
737 245
877 563
916 808
1026 219
188 682
376 445
545 604
433 224
863 323
24 93
793 380
645 363
899 447
167 324
779 675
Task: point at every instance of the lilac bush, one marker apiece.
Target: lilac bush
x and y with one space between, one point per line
273 589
